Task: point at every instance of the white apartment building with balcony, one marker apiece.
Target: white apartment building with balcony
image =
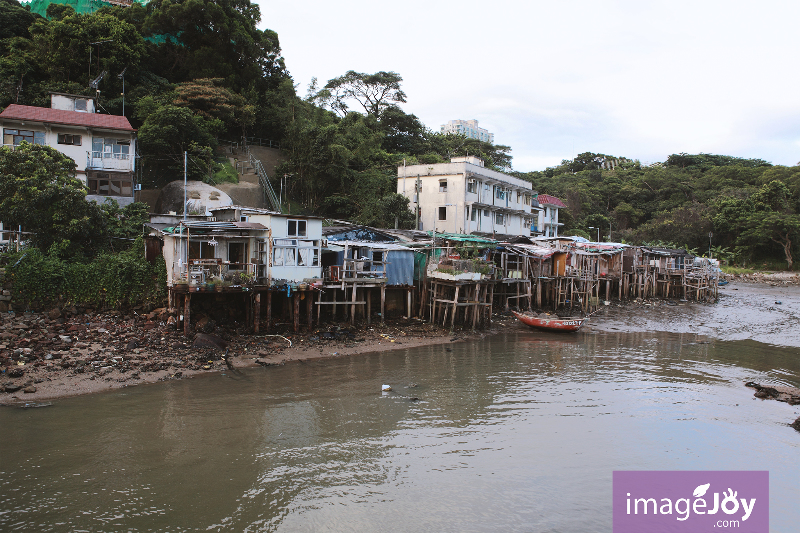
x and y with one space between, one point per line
102 146
548 217
468 128
465 197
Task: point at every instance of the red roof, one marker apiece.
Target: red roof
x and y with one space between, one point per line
545 199
71 118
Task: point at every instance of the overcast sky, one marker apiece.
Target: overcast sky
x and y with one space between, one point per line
641 79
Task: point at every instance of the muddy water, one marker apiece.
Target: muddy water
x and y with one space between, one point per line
518 432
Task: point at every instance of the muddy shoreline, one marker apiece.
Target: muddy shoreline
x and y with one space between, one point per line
45 357
49 356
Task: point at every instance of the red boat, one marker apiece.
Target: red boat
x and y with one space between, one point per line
551 324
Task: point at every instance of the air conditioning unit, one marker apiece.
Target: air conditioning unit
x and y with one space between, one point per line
137 187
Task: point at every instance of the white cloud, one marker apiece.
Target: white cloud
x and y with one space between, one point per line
552 79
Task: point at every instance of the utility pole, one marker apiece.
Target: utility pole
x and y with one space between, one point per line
121 76
416 211
184 186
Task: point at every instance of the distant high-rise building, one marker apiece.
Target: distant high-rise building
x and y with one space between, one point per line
468 128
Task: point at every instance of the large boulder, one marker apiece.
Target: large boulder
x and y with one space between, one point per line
200 197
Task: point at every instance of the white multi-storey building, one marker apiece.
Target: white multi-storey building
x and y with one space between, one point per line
548 217
102 146
468 128
465 197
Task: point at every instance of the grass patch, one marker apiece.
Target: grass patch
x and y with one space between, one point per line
737 271
225 172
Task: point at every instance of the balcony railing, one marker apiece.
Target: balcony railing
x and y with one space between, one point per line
121 162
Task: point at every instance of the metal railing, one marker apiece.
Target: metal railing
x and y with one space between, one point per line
263 179
258 141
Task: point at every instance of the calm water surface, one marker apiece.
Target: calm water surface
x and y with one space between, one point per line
518 432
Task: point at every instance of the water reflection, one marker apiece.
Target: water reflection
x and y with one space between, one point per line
514 432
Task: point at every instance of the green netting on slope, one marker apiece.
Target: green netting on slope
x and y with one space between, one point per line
81 7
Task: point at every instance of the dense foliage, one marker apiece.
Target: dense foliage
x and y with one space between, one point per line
744 210
124 278
199 72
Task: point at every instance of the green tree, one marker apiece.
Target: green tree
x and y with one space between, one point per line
773 217
62 48
374 92
166 134
214 39
39 191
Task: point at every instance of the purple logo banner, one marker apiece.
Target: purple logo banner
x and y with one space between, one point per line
691 501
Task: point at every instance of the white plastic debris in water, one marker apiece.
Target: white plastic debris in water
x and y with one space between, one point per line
386 388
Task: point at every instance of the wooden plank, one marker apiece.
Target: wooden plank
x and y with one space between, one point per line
257 313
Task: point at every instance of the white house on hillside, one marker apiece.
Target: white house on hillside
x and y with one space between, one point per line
465 197
548 216
102 146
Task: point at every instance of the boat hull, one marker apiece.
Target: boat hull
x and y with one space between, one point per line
551 324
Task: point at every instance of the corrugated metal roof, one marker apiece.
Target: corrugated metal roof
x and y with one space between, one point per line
530 249
370 244
223 225
461 237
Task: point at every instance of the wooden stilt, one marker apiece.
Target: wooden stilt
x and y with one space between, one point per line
353 306
383 302
269 309
187 321
368 297
309 308
296 311
408 304
257 313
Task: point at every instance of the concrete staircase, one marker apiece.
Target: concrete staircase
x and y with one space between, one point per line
248 191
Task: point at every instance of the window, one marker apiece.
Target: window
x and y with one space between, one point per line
442 185
527 199
442 213
109 184
80 105
519 197
15 137
499 193
297 228
499 218
475 214
201 250
486 212
472 185
292 252
237 255
74 140
107 148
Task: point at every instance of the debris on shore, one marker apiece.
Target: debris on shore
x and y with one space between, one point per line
57 354
790 395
